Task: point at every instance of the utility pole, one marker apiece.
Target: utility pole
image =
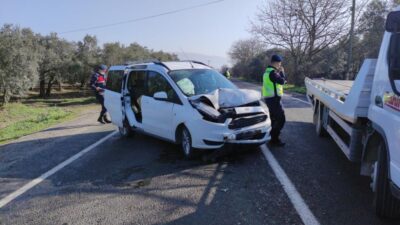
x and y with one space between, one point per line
350 50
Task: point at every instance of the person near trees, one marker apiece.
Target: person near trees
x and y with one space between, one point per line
98 83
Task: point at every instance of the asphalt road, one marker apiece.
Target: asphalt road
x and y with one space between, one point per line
143 180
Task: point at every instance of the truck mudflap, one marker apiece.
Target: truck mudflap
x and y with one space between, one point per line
356 145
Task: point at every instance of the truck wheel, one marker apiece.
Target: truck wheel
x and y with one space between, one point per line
125 131
186 143
317 118
386 205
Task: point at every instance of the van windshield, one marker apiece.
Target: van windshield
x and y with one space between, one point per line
200 81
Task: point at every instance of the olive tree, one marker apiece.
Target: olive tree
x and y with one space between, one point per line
113 53
18 61
55 58
88 54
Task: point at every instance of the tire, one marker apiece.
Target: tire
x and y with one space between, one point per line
386 205
317 119
186 143
125 131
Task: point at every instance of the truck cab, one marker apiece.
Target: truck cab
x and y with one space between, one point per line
363 118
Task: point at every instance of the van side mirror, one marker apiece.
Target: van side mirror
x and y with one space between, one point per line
160 96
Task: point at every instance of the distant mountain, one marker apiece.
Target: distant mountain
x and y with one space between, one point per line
215 61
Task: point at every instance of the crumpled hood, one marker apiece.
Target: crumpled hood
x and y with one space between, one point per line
224 97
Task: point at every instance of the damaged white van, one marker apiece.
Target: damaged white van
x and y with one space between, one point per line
185 102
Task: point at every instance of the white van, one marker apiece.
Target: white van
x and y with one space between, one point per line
187 103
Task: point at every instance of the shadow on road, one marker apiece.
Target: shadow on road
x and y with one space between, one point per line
239 185
149 180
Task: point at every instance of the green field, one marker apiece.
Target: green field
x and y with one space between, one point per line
287 87
33 114
296 89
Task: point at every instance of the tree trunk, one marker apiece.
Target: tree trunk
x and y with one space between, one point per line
60 86
6 96
49 85
83 82
296 77
42 89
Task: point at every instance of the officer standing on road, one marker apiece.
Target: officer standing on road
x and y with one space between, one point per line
228 74
98 83
273 80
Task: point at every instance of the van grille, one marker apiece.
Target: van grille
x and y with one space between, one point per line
250 136
246 121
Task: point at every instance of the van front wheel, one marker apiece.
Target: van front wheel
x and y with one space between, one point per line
186 143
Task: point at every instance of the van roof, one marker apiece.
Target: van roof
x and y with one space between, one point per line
171 65
180 65
117 67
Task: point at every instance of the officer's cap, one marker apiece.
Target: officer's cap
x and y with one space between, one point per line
102 67
276 58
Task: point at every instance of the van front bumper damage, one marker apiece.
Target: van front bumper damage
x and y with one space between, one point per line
207 135
229 116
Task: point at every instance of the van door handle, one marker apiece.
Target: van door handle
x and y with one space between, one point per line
378 101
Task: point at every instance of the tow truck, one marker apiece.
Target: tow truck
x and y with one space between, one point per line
363 118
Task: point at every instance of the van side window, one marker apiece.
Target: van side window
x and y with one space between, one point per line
156 83
394 62
114 80
394 57
137 82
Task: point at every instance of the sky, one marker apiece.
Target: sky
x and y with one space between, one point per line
208 30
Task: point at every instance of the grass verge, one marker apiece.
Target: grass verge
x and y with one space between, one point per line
33 114
296 89
287 87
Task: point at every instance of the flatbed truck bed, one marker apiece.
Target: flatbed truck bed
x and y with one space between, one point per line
363 118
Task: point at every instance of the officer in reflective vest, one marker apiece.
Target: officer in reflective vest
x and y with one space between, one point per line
273 80
228 74
98 83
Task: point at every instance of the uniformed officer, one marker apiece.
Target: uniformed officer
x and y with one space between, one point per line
273 80
98 83
228 74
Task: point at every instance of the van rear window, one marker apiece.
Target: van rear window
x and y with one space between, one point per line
114 80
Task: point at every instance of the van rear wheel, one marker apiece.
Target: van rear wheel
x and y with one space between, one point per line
386 205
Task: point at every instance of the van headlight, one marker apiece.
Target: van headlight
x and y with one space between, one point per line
264 107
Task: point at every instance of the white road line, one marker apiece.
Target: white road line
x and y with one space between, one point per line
301 207
55 169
